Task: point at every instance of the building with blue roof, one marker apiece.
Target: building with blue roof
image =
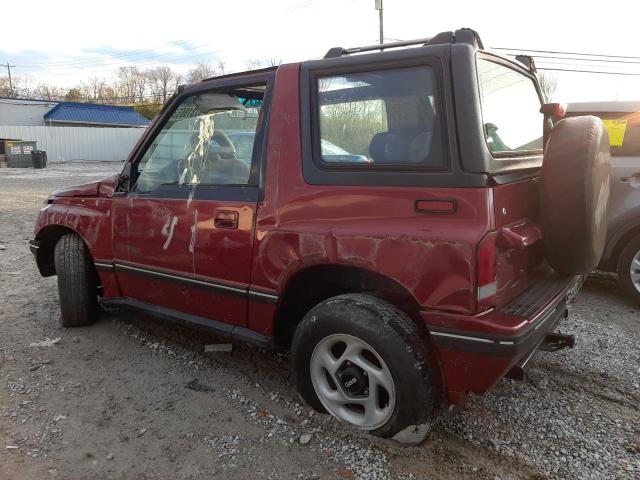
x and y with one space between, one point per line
73 114
28 112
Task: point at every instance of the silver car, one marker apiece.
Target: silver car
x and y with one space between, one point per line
622 252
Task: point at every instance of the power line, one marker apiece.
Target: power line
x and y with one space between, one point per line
100 58
565 53
599 60
582 66
140 61
589 71
585 63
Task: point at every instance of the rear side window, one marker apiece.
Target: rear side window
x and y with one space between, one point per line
381 118
512 121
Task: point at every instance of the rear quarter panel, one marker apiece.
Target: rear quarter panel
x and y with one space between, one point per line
375 228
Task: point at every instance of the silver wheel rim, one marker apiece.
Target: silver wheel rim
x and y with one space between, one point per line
366 402
635 271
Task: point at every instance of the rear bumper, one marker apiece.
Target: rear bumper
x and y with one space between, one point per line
477 351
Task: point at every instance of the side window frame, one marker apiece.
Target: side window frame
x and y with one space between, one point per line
514 154
249 192
318 172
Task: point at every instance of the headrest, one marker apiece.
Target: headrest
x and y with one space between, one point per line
388 147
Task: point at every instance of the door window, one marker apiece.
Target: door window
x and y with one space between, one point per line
512 121
196 144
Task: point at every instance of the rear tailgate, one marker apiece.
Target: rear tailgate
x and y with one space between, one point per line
519 246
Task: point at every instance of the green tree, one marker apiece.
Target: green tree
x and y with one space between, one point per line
73 95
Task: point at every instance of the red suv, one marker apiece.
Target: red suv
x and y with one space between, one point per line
426 256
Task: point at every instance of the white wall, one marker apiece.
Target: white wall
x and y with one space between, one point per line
65 144
23 112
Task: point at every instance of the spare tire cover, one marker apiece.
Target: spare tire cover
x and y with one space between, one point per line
575 194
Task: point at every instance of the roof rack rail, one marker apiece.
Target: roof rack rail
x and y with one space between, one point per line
463 35
339 51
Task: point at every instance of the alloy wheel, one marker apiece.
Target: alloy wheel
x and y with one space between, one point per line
352 381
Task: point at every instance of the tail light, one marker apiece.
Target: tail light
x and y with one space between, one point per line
487 270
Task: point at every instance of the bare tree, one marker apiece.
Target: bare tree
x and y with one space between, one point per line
131 85
201 71
548 84
5 87
222 66
20 87
162 81
274 62
48 92
254 64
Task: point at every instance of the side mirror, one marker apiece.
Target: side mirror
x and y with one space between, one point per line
124 180
553 112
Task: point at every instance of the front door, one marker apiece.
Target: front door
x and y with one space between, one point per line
183 234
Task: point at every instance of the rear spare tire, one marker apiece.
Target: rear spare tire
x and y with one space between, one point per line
575 194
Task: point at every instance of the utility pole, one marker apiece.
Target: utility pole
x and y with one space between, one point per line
10 82
380 12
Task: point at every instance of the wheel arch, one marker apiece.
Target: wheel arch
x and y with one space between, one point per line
310 286
612 256
47 237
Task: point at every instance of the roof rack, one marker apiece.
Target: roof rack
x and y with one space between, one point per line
463 35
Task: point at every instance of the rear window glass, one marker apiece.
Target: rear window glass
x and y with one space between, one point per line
512 121
625 139
379 118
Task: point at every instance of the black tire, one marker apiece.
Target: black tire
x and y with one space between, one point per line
77 285
630 251
404 347
575 193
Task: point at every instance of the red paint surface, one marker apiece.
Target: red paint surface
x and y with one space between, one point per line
178 236
296 226
467 372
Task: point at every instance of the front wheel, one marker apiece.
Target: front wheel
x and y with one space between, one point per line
365 362
629 269
77 282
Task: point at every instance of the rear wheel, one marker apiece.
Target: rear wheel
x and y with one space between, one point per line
77 282
365 362
629 269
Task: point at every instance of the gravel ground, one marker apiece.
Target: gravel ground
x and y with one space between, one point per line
135 398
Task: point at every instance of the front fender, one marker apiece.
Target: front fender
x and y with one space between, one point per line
90 218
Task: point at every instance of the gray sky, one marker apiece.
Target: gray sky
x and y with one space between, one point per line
63 42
